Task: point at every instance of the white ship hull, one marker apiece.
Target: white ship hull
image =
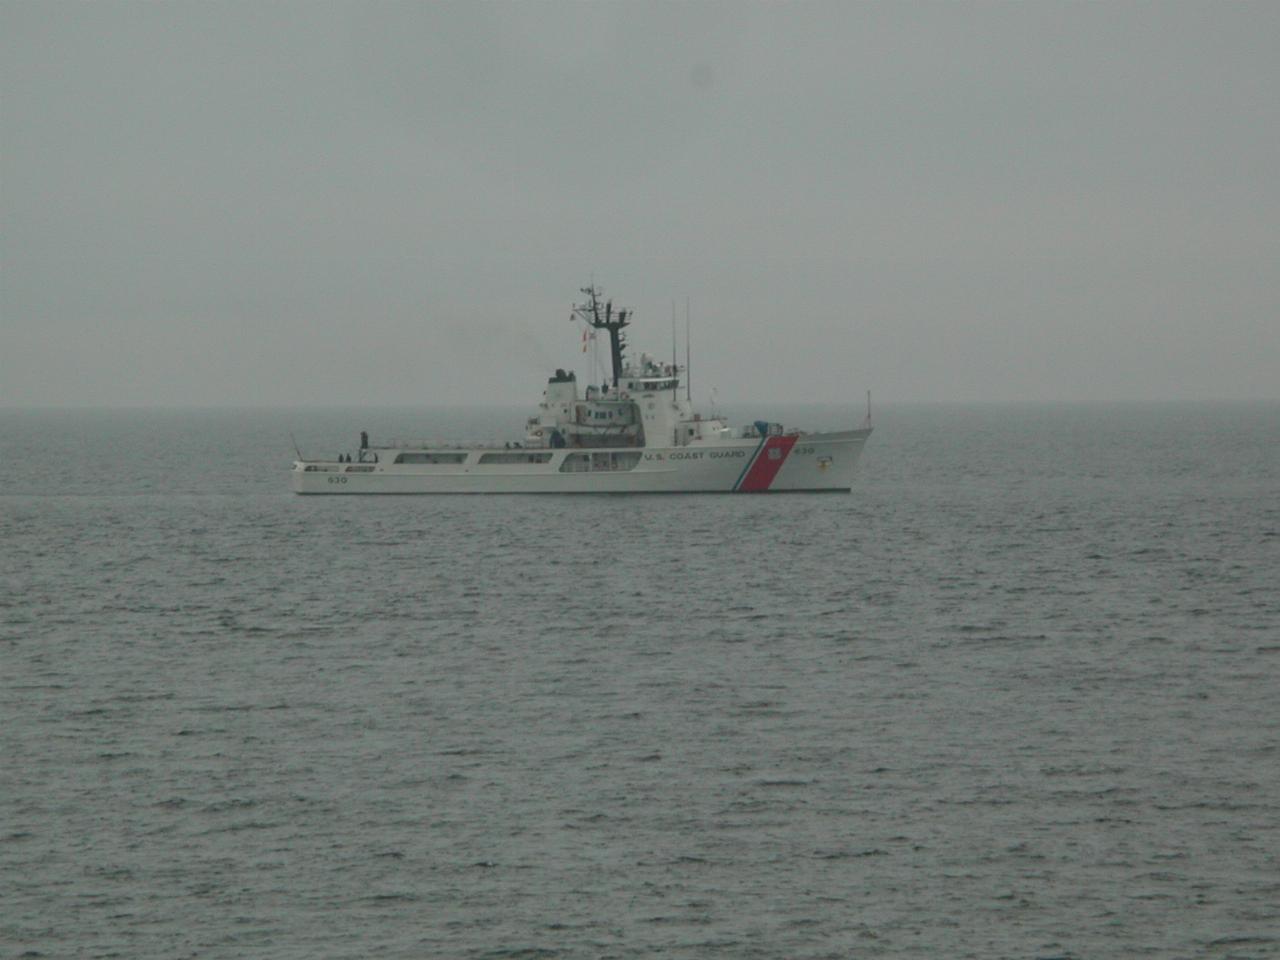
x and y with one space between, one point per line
774 464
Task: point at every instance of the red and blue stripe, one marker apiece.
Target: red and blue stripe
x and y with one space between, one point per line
764 465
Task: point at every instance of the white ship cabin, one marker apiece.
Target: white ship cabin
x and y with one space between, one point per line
644 409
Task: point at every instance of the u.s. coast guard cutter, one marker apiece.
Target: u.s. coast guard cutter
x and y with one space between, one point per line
634 433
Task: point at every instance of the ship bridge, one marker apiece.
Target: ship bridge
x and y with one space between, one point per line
640 405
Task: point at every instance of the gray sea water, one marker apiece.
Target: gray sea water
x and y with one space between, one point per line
1016 696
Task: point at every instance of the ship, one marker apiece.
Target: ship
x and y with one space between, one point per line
635 432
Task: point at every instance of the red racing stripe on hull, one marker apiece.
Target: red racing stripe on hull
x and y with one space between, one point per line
766 465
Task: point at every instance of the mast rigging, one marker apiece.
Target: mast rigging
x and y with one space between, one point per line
590 313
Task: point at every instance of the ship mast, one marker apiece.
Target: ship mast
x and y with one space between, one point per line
591 313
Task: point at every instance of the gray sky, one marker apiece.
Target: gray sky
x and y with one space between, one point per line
368 203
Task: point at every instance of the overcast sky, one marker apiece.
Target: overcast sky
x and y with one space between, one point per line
385 203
